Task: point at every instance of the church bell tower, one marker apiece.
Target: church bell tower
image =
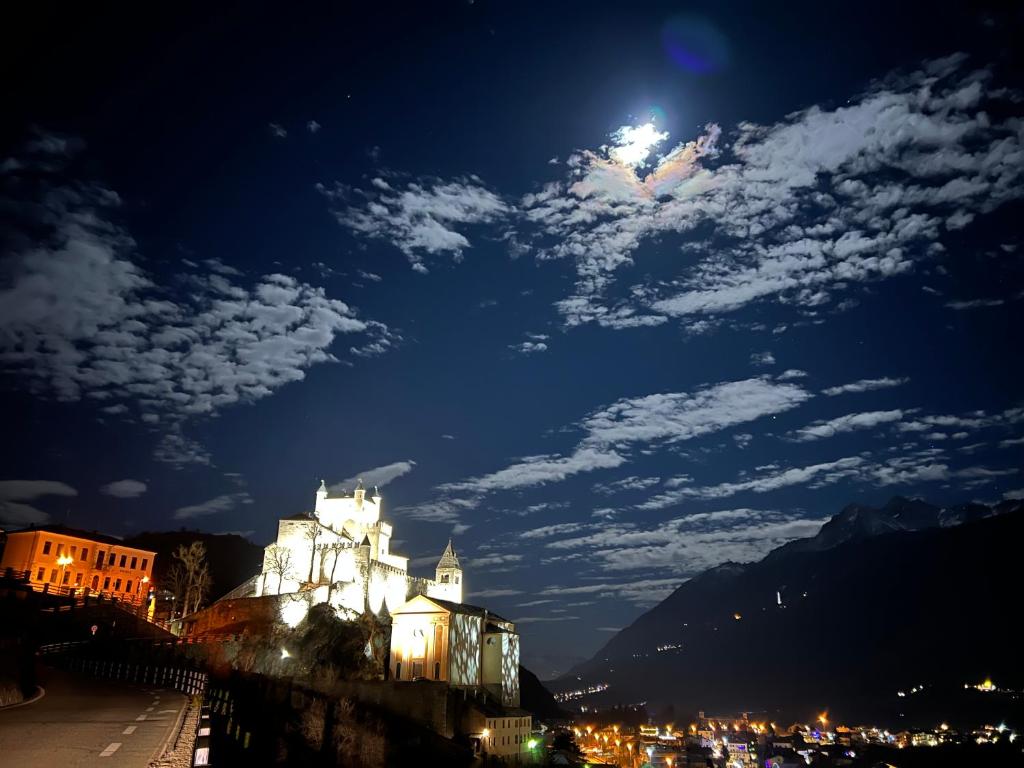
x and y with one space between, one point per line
449 576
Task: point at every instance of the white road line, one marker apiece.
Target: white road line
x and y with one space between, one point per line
140 718
166 711
129 730
111 749
150 709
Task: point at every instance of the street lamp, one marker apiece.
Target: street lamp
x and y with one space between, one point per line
64 561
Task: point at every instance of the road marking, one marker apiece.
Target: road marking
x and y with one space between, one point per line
140 718
129 730
150 709
166 711
111 749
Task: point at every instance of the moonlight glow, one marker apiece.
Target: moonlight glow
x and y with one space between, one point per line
633 144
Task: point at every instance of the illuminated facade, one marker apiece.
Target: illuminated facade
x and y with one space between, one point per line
341 554
464 645
66 560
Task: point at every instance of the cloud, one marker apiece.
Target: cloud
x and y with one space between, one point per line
180 451
313 126
864 385
790 374
631 483
80 319
420 218
378 476
485 593
539 470
687 545
608 432
277 131
124 489
791 212
847 423
223 503
14 494
762 358
529 347
539 619
975 303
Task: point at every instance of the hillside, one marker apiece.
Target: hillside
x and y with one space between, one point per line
878 601
232 559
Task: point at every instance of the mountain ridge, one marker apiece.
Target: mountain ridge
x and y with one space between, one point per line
832 587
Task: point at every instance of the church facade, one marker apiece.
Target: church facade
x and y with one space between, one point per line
341 555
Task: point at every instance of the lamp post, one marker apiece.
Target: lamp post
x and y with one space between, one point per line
64 561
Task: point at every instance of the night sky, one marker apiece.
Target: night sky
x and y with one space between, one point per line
609 293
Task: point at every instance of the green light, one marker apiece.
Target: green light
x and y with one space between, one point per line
532 744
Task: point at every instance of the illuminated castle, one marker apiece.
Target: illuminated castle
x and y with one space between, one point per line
341 554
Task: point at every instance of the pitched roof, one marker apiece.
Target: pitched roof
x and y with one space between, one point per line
471 610
448 558
63 530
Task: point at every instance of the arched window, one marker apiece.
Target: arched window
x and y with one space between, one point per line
398 670
444 578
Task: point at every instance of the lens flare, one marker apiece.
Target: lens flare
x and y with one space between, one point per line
695 44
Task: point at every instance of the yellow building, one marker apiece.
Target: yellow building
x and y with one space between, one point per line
65 560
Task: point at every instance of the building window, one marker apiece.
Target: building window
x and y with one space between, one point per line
99 559
117 585
40 573
60 549
444 578
106 584
110 560
53 576
437 670
456 579
135 561
398 670
124 559
145 562
85 554
95 583
78 579
66 578
128 586
46 547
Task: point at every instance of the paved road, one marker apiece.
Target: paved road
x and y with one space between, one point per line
82 721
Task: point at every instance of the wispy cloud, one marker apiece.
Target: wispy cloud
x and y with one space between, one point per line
124 489
421 218
865 385
15 493
848 423
216 505
377 476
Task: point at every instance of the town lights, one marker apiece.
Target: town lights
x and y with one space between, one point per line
285 654
531 744
485 732
823 718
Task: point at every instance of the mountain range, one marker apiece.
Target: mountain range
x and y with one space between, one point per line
878 602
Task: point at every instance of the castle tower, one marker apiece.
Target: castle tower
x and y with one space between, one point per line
360 494
449 576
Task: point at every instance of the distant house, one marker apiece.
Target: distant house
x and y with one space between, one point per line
67 560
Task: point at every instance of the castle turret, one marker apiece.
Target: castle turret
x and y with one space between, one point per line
360 494
449 576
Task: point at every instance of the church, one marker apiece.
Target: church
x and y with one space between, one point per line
341 555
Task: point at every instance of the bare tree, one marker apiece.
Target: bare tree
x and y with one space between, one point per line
312 533
279 562
335 548
177 577
194 572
